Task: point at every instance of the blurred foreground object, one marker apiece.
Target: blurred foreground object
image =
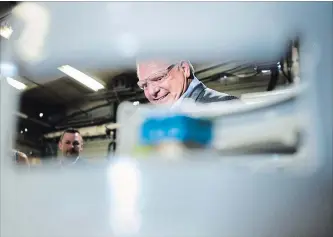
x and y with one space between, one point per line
276 126
174 133
202 193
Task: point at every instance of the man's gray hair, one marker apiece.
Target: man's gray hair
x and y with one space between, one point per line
192 71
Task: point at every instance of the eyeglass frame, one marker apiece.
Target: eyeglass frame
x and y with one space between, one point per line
161 76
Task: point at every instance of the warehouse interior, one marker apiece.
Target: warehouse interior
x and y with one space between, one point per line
137 164
49 104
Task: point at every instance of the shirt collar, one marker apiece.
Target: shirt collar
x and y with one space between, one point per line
68 161
189 90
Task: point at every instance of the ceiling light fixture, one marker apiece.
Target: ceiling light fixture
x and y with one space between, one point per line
16 84
6 31
21 115
81 77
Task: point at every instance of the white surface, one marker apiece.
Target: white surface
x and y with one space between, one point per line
236 124
202 198
207 198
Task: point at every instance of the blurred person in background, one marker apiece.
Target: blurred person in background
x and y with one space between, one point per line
20 158
34 160
165 83
70 145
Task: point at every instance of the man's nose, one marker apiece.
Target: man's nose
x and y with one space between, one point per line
153 89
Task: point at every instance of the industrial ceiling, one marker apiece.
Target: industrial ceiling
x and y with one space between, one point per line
64 102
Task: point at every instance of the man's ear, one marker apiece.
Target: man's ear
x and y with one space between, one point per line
60 145
81 144
186 69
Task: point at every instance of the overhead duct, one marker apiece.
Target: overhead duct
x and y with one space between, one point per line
6 8
126 80
88 131
24 116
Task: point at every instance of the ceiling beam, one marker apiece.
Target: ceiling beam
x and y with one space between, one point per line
6 8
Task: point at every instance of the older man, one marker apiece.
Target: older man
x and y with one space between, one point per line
166 83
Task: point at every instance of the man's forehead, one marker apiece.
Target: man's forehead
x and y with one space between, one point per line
147 68
71 136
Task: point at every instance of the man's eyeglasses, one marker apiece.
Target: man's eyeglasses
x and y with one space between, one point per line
156 79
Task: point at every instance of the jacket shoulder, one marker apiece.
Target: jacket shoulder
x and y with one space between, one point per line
208 96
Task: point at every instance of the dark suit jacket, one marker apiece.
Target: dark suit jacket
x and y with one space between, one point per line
203 94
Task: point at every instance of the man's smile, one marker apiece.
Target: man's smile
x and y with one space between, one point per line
161 98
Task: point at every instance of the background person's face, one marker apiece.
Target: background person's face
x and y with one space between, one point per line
71 145
168 90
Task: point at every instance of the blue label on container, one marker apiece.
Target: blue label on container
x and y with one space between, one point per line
179 128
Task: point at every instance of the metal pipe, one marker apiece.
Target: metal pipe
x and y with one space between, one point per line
274 79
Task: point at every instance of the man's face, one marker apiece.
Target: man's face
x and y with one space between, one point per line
71 145
162 82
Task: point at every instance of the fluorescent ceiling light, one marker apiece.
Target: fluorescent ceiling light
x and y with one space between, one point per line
21 115
265 71
81 77
14 83
6 31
